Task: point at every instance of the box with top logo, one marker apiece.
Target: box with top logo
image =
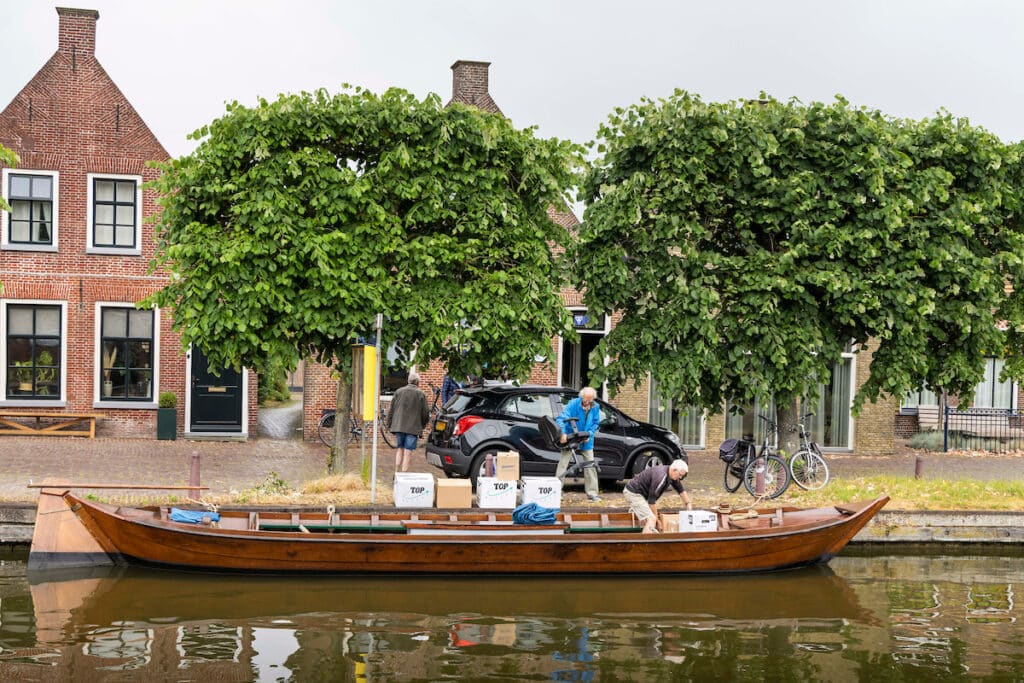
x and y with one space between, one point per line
544 491
492 492
414 490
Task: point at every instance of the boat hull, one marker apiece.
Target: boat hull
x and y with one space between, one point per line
141 538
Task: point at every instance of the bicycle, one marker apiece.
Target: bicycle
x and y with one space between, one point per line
741 467
807 466
325 428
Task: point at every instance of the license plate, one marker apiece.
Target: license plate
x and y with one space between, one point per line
439 425
434 459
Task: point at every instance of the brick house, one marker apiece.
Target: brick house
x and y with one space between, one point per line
74 254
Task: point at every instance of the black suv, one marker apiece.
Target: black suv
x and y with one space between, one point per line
497 418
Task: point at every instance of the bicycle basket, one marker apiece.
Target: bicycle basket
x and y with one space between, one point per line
729 449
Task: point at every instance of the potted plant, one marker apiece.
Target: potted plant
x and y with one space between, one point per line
167 416
109 356
46 374
23 374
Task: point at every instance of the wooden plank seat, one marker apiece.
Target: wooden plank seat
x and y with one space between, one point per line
58 424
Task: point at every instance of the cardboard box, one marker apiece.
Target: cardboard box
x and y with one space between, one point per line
506 466
544 491
669 522
414 490
698 520
454 493
492 492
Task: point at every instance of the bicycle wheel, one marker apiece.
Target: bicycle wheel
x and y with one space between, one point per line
776 476
809 470
733 475
382 429
325 429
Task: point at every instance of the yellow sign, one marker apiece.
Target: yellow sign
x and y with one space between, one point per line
364 367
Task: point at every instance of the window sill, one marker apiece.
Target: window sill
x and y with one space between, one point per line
114 251
29 403
132 405
50 248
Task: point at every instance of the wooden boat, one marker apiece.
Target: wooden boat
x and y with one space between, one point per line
72 531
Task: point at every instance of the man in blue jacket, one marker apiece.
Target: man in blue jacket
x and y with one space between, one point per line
587 416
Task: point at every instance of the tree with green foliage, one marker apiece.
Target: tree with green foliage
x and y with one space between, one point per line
748 244
296 221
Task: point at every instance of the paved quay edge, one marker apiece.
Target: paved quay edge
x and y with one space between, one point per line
888 527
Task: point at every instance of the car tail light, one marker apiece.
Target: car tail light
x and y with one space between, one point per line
466 423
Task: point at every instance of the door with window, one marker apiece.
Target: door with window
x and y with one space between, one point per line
216 397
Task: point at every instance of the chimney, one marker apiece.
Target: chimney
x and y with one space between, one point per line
469 81
469 85
76 33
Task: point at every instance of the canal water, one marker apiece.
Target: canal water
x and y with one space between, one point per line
864 617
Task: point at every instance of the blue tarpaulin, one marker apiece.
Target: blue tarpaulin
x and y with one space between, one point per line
193 516
531 513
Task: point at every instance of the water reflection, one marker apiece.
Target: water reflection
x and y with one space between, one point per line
865 617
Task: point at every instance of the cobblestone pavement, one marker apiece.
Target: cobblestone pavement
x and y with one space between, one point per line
227 466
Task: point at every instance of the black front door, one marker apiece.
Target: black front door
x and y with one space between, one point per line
216 399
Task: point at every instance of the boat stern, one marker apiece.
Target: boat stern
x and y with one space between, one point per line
60 540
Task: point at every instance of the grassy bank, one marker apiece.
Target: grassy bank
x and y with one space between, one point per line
907 493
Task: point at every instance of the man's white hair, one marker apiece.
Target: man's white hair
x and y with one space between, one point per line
679 466
588 390
414 378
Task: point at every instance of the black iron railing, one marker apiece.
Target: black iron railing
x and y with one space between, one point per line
995 430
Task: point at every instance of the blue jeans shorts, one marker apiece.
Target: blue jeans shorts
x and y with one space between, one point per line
406 441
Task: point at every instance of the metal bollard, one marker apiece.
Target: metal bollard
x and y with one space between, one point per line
193 475
918 467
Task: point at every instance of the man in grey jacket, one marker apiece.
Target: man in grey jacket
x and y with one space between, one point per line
406 419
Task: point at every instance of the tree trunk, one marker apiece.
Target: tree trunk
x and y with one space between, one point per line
787 417
337 459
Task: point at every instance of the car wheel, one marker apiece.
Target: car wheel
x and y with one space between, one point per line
646 460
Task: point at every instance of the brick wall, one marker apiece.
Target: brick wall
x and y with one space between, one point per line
71 118
875 425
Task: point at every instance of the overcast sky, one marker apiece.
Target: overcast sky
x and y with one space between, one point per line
561 65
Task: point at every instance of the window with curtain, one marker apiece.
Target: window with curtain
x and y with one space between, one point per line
921 397
686 421
31 217
746 425
991 393
33 351
831 425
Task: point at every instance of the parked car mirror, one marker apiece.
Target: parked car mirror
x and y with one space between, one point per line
609 421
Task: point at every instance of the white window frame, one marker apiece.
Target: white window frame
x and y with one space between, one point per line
59 401
90 234
5 216
97 346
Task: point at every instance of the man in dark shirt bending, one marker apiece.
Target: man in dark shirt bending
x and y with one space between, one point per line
643 491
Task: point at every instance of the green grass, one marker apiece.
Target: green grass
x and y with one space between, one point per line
907 493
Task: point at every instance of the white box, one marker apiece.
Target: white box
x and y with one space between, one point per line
698 520
544 491
414 490
492 492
